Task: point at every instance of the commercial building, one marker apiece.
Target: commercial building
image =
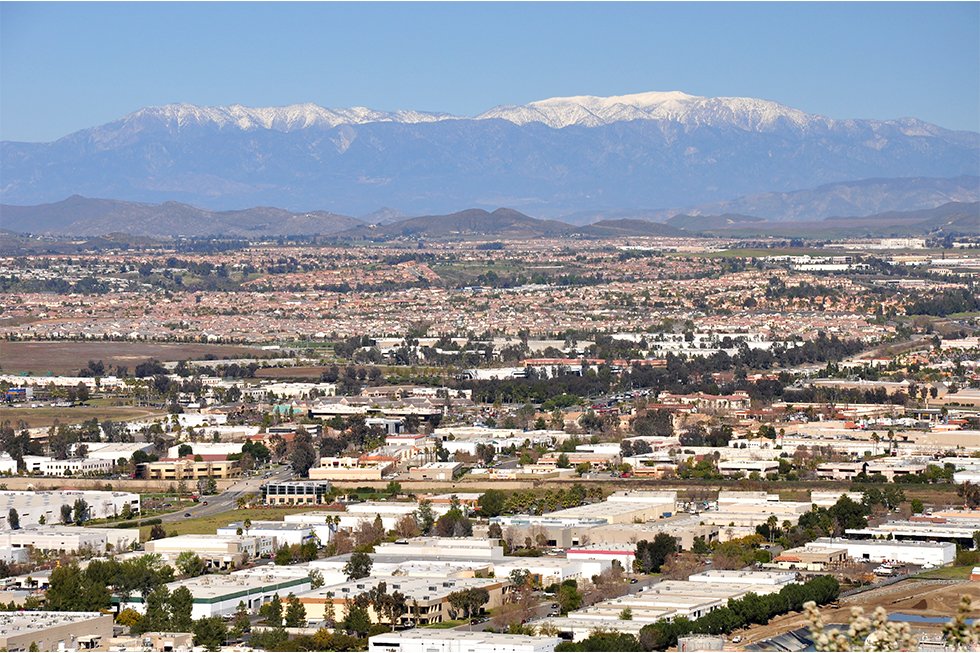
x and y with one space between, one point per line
546 571
435 641
609 553
55 631
284 534
935 554
426 598
470 548
76 467
31 506
71 539
436 471
815 558
217 551
216 595
957 530
668 600
350 468
176 469
292 493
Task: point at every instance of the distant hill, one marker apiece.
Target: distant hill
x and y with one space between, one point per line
626 228
708 222
950 218
852 198
501 223
82 216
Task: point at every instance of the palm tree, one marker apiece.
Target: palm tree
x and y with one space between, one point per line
247 524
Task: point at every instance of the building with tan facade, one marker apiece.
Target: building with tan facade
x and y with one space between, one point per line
55 631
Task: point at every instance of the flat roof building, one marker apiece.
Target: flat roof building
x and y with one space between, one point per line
55 631
936 554
434 641
426 597
32 505
216 595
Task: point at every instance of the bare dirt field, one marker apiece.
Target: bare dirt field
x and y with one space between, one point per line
64 357
25 417
928 598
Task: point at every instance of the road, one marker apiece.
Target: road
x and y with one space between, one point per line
227 500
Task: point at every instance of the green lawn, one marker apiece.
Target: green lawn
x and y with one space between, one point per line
208 525
947 573
452 623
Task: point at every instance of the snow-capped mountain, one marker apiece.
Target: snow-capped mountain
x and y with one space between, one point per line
282 119
548 158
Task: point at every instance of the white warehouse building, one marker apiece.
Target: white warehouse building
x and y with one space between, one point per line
936 554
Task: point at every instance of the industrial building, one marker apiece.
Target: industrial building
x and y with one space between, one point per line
216 595
435 641
217 551
426 597
935 554
55 631
70 539
284 534
31 506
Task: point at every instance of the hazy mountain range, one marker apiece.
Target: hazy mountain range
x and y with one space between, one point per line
82 217
633 154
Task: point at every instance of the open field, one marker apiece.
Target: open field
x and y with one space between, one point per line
947 573
67 357
26 417
208 525
936 598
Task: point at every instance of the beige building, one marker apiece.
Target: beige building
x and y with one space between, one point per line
154 641
426 597
811 559
435 471
218 551
176 469
350 468
55 631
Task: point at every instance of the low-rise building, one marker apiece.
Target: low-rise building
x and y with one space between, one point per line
447 471
426 598
456 641
815 558
188 468
291 493
217 551
55 631
350 468
217 595
284 533
71 539
76 467
31 506
934 554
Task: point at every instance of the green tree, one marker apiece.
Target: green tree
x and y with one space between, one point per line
190 564
569 598
295 612
358 566
65 514
181 606
426 516
13 519
650 556
492 503
272 611
357 621
210 632
80 511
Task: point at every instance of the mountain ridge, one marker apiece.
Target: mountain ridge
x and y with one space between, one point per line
549 158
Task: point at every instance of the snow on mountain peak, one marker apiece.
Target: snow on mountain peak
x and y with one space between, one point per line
672 106
558 112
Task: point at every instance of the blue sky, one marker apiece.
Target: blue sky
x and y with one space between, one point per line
69 66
